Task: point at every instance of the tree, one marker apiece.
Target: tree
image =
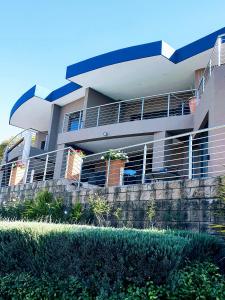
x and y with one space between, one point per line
3 145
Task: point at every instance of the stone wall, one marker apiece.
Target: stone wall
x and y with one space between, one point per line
187 204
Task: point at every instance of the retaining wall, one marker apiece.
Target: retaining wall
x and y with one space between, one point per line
186 204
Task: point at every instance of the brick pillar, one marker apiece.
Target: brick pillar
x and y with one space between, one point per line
17 174
74 165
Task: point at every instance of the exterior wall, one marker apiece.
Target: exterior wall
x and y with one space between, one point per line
198 76
188 204
40 137
71 107
94 98
212 100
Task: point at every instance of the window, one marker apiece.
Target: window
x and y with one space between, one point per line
75 120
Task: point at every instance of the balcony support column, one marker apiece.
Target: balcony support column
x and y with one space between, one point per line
53 127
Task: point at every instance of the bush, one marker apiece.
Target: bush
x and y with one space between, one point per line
102 259
199 281
44 207
25 286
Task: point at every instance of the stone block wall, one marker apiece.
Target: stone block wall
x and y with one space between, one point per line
182 204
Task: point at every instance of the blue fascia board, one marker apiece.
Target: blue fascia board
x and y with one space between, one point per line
62 91
196 47
143 51
24 98
35 91
115 57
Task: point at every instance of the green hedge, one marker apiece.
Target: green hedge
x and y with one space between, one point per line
100 258
199 281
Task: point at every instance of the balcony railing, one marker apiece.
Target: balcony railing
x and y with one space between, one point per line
217 58
158 106
198 154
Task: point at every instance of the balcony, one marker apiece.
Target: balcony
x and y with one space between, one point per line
152 107
24 144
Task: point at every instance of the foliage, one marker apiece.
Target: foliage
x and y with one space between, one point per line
198 281
118 213
25 286
102 259
3 145
12 210
115 155
77 212
220 228
78 152
45 207
151 210
100 208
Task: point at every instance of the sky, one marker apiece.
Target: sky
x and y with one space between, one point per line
40 38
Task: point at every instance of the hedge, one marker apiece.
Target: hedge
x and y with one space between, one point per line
199 281
100 258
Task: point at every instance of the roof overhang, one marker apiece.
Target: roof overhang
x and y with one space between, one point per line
136 71
33 109
145 69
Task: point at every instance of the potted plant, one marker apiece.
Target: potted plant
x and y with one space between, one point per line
74 164
115 163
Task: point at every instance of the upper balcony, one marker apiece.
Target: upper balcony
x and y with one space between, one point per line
152 107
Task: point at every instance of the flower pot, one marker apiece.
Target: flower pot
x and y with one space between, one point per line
115 170
192 104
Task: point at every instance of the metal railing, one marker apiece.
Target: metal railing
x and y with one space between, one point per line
217 58
157 106
19 138
36 168
198 154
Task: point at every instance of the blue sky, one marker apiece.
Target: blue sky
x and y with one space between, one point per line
39 38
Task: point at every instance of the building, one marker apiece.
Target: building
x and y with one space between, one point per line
142 94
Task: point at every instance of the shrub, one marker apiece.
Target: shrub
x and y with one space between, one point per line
44 206
199 281
25 286
13 210
102 259
77 212
100 208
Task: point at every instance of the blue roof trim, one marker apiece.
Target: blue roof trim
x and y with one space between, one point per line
24 98
62 91
115 57
142 51
196 47
119 56
54 95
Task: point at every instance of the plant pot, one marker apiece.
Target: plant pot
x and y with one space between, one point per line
115 172
192 104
